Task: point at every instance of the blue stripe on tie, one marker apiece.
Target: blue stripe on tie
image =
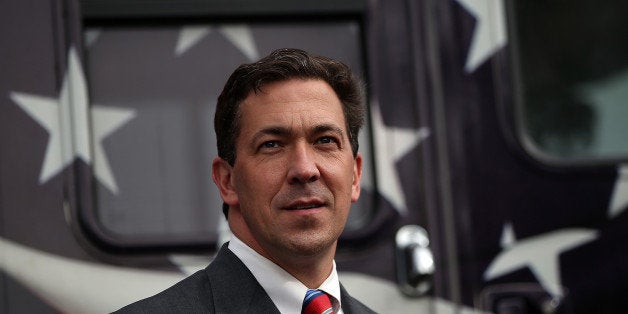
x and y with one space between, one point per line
309 296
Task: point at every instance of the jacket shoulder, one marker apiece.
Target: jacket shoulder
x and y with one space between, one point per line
225 286
351 305
356 307
190 295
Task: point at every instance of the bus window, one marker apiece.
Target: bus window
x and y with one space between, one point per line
167 78
573 83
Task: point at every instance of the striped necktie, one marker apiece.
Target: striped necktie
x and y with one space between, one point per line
316 302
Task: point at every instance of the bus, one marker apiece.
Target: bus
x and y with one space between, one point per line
495 151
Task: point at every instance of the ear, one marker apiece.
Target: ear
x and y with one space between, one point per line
357 176
222 173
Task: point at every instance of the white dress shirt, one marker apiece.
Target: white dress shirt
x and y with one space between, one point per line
283 289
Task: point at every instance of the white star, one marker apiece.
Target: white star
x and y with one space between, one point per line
67 121
490 30
508 237
619 200
540 254
91 37
107 120
239 35
391 144
46 112
190 36
60 117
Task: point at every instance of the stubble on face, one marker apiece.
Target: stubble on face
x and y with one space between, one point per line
304 117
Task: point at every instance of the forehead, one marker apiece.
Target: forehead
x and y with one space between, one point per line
295 102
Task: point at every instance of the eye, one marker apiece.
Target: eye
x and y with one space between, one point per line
270 144
327 140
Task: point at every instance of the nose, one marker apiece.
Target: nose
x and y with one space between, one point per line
302 166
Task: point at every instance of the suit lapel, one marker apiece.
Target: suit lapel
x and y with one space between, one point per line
234 288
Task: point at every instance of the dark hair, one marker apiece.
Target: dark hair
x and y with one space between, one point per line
282 65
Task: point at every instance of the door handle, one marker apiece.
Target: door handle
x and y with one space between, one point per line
414 260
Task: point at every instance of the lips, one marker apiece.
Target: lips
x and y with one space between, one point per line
304 198
305 205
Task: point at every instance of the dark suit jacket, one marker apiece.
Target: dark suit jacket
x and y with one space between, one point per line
225 286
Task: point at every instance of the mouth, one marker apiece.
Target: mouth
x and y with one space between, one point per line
305 205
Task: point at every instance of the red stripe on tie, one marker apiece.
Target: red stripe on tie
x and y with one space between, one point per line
316 302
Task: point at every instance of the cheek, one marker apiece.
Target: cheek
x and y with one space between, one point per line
342 175
257 185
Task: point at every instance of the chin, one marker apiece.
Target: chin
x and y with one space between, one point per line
312 245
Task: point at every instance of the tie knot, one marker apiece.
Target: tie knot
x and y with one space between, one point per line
316 302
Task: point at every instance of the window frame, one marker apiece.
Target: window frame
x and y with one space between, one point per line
111 13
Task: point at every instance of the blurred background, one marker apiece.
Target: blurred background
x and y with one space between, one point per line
496 148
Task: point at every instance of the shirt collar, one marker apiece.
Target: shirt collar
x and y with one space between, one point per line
283 289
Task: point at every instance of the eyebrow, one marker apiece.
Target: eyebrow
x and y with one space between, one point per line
324 128
273 130
283 131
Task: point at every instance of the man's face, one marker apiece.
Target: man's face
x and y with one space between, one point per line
294 177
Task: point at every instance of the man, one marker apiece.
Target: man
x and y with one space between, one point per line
288 170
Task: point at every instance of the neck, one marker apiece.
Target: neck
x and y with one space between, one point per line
312 271
310 268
